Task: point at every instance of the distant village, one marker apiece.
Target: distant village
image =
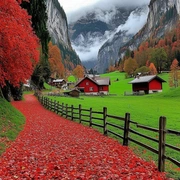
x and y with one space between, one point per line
95 85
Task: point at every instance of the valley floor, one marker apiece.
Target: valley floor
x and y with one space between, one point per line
51 147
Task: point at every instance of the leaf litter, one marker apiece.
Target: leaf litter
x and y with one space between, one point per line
51 147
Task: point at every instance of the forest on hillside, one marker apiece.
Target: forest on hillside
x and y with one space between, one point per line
152 56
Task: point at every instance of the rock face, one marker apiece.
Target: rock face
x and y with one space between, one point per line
163 17
98 35
57 23
91 31
96 23
109 52
58 30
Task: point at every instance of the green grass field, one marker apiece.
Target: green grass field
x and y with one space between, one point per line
11 123
145 110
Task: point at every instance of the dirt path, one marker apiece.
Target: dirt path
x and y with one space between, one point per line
51 147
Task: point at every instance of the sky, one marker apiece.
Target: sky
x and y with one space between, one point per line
75 9
75 4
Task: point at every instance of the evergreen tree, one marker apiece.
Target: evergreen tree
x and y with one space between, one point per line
159 58
37 10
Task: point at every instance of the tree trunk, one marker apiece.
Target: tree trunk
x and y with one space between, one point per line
1 93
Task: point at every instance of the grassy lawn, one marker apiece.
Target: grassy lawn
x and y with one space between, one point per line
145 110
11 123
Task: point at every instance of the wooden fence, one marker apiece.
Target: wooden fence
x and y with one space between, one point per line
91 117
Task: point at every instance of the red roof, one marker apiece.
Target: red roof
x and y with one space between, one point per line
100 81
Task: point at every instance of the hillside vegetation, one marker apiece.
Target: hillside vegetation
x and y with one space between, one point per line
11 123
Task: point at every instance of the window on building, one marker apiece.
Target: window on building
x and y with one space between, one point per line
91 89
87 83
100 88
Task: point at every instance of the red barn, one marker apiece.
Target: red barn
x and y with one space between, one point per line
148 84
94 85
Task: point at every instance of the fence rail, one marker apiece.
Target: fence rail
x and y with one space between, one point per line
89 116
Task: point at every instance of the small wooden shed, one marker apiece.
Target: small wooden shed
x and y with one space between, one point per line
73 93
148 84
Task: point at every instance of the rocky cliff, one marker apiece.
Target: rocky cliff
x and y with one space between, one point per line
109 52
58 30
163 17
90 31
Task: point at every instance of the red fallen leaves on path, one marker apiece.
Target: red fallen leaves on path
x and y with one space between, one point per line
51 147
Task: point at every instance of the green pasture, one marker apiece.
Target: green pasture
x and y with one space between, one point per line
11 123
143 109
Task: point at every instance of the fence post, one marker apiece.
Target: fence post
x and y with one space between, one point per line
54 105
126 129
42 100
58 107
48 102
45 102
162 133
72 114
90 117
80 113
66 111
62 109
51 103
104 120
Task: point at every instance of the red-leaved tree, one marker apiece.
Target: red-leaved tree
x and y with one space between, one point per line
18 44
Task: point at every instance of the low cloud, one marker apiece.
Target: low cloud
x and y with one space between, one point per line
134 22
103 5
88 50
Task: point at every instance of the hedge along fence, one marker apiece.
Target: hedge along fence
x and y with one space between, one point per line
91 117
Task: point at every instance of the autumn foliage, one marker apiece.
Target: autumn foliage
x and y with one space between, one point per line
78 72
174 80
55 61
130 65
51 147
159 51
152 68
18 44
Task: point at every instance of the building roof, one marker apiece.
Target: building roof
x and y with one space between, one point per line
92 75
72 90
97 80
75 89
58 80
143 79
102 80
